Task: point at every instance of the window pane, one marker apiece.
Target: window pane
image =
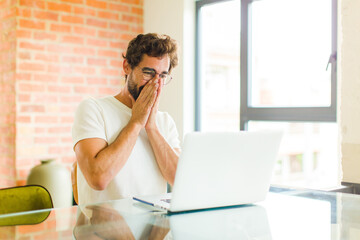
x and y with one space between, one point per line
308 154
220 66
290 48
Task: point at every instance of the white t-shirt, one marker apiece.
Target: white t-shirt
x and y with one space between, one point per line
104 118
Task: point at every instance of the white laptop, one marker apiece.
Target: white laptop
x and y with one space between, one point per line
220 169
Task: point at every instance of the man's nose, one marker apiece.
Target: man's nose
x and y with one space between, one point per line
157 76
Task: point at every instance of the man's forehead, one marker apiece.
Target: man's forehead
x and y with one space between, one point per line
158 63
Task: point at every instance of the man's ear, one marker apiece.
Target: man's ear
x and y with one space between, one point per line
126 67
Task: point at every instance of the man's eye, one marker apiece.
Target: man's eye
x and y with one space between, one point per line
148 73
163 76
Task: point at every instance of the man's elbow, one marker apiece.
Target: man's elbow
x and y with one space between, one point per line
96 178
98 183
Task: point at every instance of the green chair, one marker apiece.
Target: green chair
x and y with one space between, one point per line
21 199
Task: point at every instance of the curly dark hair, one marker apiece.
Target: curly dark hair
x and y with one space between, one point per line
153 45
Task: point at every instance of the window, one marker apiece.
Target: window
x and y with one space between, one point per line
272 64
219 66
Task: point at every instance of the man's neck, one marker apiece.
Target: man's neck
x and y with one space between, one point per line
124 97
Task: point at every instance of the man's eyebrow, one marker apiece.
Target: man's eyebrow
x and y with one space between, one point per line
148 69
153 70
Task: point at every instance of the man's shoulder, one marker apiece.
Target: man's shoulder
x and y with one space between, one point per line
98 100
164 118
95 102
163 115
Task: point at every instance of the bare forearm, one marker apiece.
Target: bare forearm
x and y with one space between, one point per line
101 168
111 159
166 156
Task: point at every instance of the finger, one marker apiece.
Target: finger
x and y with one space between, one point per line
157 100
151 92
146 91
156 104
161 85
132 99
147 102
151 100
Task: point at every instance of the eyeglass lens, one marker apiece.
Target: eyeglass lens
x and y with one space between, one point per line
150 74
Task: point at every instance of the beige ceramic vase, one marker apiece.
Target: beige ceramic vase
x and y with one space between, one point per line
56 179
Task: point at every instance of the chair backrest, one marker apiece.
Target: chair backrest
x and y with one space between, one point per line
74 181
21 199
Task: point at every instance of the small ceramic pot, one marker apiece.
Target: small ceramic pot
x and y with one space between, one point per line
56 179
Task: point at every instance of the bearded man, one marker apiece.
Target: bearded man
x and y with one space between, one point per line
124 146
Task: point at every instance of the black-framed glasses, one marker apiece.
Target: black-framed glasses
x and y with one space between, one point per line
150 73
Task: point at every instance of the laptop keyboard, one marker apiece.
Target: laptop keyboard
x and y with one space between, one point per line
166 200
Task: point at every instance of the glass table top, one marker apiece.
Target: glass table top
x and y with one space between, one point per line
283 215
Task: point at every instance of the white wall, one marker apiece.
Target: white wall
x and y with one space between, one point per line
176 18
349 88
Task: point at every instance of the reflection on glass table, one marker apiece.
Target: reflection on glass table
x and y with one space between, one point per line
106 222
289 214
243 222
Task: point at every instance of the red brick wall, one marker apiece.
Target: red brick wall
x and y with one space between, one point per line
7 88
66 50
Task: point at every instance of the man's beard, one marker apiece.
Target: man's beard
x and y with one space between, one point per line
133 88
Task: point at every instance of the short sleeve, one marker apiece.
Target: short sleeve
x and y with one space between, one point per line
172 136
88 122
